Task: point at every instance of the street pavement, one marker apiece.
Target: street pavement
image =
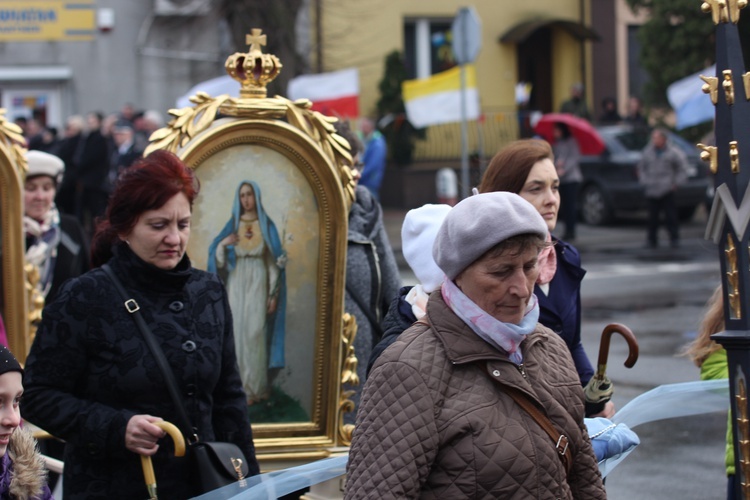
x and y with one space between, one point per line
660 295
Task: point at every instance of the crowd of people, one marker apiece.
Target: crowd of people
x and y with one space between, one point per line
448 367
661 170
93 148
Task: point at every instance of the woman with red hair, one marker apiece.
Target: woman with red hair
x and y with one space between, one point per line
91 378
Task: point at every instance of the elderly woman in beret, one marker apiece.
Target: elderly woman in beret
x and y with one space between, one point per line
466 402
55 242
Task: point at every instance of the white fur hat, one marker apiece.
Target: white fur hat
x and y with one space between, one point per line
41 163
417 237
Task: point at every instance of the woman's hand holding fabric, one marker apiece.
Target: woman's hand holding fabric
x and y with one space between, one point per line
271 305
141 435
232 239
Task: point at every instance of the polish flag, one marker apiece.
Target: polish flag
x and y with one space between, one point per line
333 94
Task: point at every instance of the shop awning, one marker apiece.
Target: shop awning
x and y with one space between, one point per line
35 73
523 30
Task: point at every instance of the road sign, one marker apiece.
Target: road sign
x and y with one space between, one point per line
467 35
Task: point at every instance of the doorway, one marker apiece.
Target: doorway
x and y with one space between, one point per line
534 56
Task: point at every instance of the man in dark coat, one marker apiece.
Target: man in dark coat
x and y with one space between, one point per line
67 192
125 152
92 164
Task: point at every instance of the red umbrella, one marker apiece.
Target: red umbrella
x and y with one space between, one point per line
589 140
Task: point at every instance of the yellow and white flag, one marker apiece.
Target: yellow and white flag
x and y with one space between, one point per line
435 100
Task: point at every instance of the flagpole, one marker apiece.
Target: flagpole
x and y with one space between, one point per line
467 41
464 138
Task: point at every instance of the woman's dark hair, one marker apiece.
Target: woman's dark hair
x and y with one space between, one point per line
509 168
563 128
344 130
146 185
516 245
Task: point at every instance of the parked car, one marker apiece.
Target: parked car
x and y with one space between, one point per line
610 181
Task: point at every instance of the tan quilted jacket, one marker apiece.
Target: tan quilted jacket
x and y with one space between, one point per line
433 425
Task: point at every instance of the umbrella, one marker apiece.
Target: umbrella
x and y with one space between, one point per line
599 389
588 139
148 467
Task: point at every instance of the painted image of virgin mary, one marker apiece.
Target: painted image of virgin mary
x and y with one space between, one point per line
250 257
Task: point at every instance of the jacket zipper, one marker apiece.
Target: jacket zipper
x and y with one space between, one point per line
522 370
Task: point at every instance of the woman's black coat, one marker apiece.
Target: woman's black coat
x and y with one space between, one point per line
89 371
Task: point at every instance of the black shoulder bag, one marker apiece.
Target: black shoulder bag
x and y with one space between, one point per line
215 464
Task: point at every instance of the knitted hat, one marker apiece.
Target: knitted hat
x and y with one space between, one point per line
478 223
8 362
41 163
417 237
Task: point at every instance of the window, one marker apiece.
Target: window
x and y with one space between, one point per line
427 47
637 76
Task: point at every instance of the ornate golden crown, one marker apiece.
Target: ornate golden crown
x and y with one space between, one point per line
254 69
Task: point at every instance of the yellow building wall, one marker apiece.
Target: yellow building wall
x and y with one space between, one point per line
566 66
360 33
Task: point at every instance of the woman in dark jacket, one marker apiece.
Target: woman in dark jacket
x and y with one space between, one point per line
90 377
527 168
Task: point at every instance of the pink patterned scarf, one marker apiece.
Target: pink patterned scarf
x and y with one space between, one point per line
506 337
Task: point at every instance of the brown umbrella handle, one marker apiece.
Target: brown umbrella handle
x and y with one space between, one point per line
604 345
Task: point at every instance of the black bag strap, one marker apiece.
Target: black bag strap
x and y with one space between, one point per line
134 309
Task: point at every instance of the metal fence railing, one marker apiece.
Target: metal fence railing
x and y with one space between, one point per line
494 129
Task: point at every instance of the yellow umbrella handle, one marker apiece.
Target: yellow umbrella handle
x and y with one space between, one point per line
176 435
148 467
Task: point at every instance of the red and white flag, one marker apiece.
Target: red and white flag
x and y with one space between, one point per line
333 94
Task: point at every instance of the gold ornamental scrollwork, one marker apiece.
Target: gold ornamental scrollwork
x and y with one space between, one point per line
348 376
12 135
732 274
35 297
728 85
711 87
743 428
734 157
724 11
710 154
187 123
254 70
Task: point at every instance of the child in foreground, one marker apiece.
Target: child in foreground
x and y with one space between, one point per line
22 472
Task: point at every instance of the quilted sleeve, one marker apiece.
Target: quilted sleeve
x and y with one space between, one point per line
585 480
395 439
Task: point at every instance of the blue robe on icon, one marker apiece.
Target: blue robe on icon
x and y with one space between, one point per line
275 323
